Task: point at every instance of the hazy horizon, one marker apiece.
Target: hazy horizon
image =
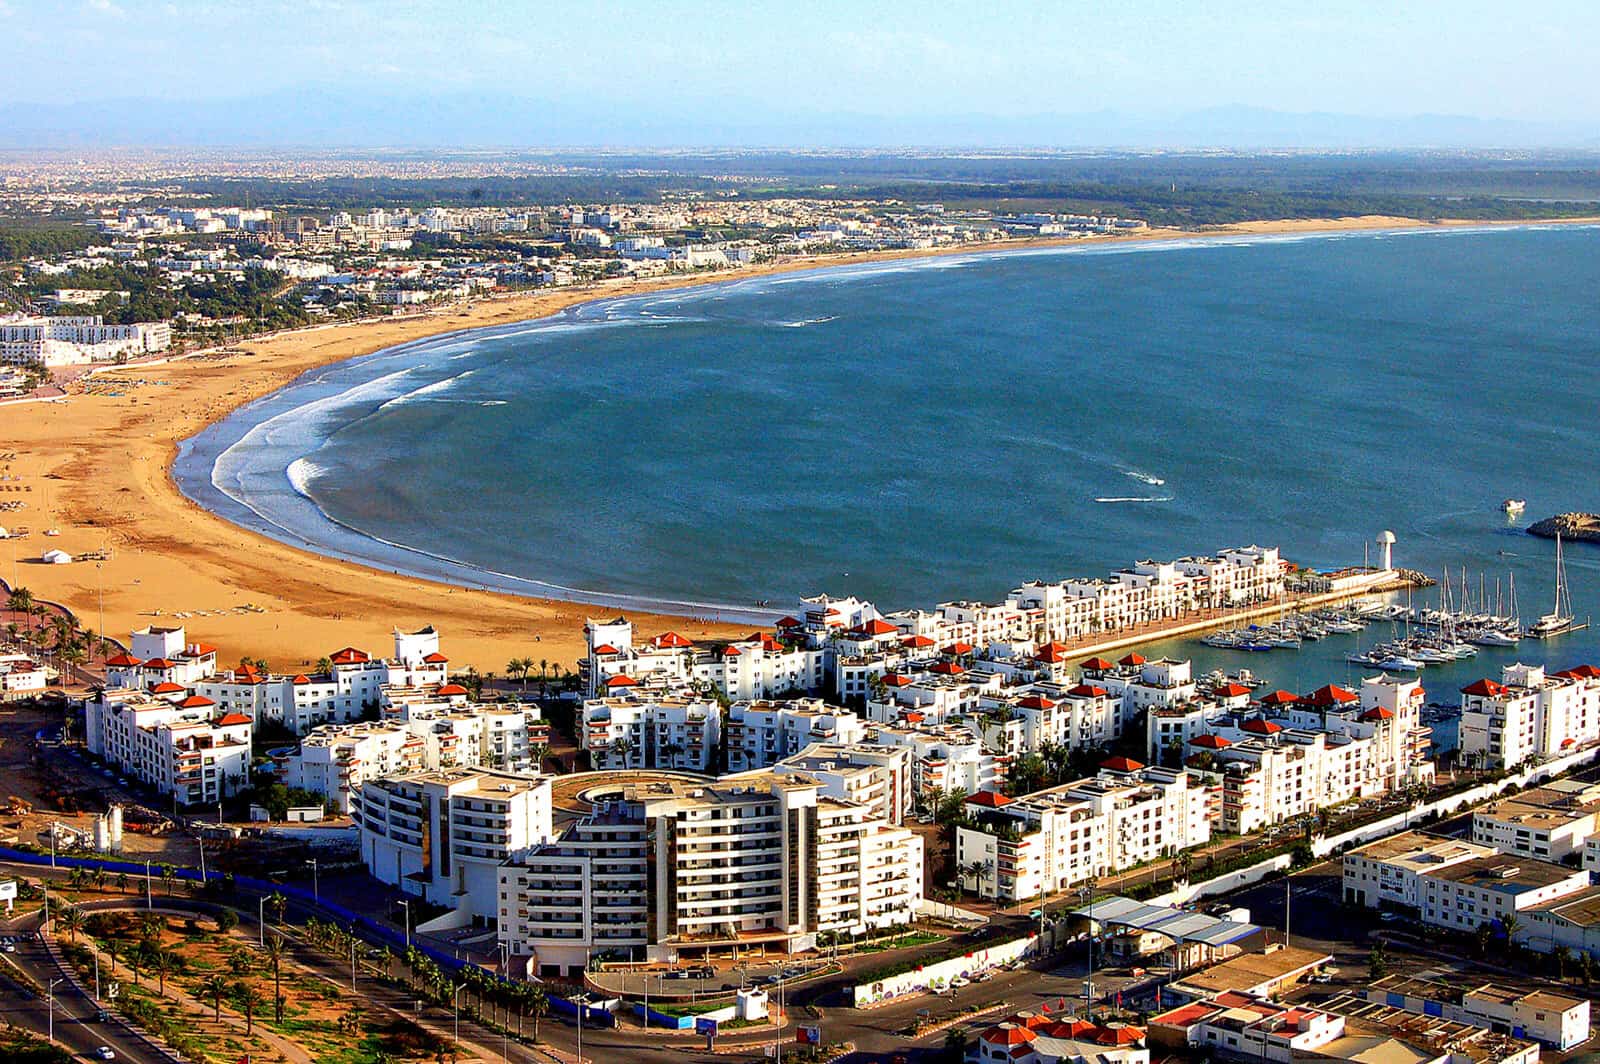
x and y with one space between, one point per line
1152 74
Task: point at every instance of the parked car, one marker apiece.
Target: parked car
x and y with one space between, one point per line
105 1053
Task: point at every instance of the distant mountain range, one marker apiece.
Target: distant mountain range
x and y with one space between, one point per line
336 118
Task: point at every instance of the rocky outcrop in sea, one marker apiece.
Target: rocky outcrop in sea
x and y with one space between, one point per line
1570 526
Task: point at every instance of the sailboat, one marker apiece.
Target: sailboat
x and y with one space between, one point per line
1559 619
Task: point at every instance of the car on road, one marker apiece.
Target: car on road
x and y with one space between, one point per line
105 1053
7 947
793 973
1320 978
960 981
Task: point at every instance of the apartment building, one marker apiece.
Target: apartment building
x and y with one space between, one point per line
176 742
1043 1038
416 736
878 777
1548 823
674 869
755 668
1048 841
644 731
1078 716
1453 884
945 759
1528 715
443 835
158 655
353 686
762 733
76 340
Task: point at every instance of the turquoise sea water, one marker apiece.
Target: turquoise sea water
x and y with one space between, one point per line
947 428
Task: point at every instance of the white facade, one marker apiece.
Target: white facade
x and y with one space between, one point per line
179 744
70 341
640 732
443 835
762 733
1529 715
21 676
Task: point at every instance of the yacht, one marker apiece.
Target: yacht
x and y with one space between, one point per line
1559 619
1513 507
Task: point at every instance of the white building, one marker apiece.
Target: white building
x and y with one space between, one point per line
443 836
159 655
755 668
1529 716
1548 823
674 732
70 341
21 677
762 733
1048 841
177 743
672 869
1556 1020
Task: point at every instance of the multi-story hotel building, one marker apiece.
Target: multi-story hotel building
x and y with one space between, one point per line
176 742
442 836
670 869
762 733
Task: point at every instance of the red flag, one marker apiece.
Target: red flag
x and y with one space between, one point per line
1045 1007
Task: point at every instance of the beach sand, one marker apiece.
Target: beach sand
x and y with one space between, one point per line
96 467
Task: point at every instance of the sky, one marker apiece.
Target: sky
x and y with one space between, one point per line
773 64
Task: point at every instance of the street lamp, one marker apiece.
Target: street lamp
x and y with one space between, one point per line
316 892
51 991
455 1007
406 904
261 921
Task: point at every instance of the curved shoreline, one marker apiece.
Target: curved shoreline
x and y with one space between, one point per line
113 456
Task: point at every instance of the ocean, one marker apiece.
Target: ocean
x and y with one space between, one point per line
913 432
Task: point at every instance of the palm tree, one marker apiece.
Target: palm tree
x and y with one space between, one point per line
72 920
169 879
277 903
621 748
249 999
535 1003
113 946
100 877
1183 865
150 925
161 962
275 951
1511 925
122 882
536 754
215 986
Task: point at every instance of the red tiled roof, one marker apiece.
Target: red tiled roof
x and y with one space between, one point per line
1095 665
1377 713
436 658
1084 690
671 640
947 668
1132 659
158 663
1053 652
1210 742
451 689
231 719
1588 672
1007 1034
990 799
204 648
1331 695
787 622
1119 1035
195 702
958 648
1484 687
349 656
606 648
1232 690
123 661
1121 764
894 679
166 688
1259 726
621 680
730 652
1035 702
877 626
917 642
1279 698
300 678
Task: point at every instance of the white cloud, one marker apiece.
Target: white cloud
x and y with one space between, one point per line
106 7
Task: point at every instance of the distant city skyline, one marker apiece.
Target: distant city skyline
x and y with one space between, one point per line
890 72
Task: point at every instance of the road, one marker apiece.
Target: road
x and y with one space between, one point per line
75 1026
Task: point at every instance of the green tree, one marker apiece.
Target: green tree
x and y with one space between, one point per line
956 1043
1377 962
536 1004
71 920
248 999
214 986
275 952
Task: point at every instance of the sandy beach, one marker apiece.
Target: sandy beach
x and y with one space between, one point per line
95 466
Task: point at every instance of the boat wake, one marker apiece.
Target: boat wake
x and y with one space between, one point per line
803 322
1143 478
1134 498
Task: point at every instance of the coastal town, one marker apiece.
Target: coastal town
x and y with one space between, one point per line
889 533
1024 850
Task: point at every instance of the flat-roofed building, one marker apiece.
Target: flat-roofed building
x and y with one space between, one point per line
1555 1020
1548 823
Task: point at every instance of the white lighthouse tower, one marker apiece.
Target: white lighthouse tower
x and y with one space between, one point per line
1386 549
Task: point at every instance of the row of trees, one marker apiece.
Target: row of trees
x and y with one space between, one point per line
487 997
